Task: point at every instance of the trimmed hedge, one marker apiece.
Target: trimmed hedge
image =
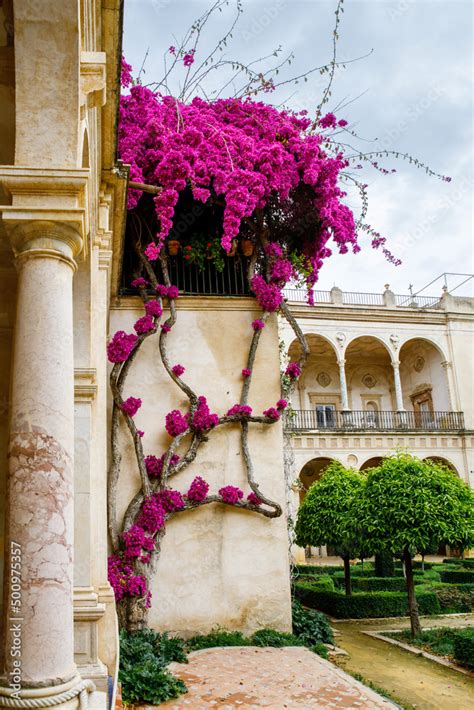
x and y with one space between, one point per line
468 562
317 569
416 564
356 570
455 576
455 599
464 647
379 584
323 582
364 605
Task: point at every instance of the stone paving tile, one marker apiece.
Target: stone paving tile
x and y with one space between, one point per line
247 677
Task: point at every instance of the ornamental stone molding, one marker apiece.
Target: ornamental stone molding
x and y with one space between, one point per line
395 340
93 79
369 381
341 338
419 363
323 379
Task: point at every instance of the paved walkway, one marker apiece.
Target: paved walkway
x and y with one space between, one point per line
249 677
413 680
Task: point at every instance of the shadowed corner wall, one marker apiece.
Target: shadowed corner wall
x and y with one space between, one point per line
218 566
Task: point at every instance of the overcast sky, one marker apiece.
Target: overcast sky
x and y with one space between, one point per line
418 99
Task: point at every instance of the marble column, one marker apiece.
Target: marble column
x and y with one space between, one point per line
343 386
446 365
39 528
398 386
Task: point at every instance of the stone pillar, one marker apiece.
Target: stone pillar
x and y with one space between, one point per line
343 385
40 505
398 385
447 367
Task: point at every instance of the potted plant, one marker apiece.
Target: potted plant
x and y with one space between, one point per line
173 247
247 247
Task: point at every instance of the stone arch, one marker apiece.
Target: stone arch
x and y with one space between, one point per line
444 462
369 374
424 378
319 383
371 463
429 341
312 471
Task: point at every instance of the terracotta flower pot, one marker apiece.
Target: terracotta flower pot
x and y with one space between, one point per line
173 247
247 247
233 249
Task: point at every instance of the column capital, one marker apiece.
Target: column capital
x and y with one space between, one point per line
48 209
395 364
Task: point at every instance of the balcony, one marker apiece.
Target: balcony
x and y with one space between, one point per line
310 420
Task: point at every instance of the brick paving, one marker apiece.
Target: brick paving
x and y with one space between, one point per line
249 677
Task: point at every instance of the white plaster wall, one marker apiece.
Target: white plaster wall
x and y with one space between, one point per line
218 565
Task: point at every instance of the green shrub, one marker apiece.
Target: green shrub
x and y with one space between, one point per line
455 599
318 569
468 562
464 647
277 639
324 582
311 626
439 641
457 576
142 673
416 564
320 649
218 637
379 584
364 605
429 575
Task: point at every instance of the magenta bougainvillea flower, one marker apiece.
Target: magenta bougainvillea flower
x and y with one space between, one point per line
131 406
152 251
166 328
178 370
171 500
246 372
202 420
268 295
293 370
242 409
144 325
154 309
231 494
175 423
271 413
254 499
121 345
140 282
281 404
198 490
258 324
154 465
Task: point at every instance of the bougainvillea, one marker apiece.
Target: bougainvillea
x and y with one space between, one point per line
273 178
131 406
198 490
231 494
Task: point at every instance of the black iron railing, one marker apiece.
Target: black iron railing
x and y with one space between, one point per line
311 420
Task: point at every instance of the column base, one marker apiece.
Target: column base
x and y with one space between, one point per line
87 614
66 696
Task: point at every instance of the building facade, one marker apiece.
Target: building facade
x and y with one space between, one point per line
384 372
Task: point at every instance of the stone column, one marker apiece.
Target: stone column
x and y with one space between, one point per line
40 507
398 385
447 367
343 385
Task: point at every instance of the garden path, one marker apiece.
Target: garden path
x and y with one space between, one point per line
413 680
250 677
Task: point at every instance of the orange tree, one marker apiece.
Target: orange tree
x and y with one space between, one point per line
411 505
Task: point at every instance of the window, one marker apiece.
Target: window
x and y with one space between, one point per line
371 416
326 415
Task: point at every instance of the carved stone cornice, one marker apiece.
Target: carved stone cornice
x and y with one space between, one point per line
93 79
85 384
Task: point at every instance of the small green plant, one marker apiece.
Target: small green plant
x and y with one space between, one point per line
144 656
277 639
379 690
218 637
320 650
311 626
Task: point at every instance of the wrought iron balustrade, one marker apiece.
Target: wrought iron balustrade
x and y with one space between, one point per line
311 420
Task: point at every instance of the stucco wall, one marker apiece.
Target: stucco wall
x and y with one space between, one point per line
218 565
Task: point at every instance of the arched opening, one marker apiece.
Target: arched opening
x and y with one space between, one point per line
371 463
443 462
311 472
424 383
85 150
369 376
319 395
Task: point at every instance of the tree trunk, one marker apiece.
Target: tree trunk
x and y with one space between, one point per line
384 565
347 576
412 605
422 563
